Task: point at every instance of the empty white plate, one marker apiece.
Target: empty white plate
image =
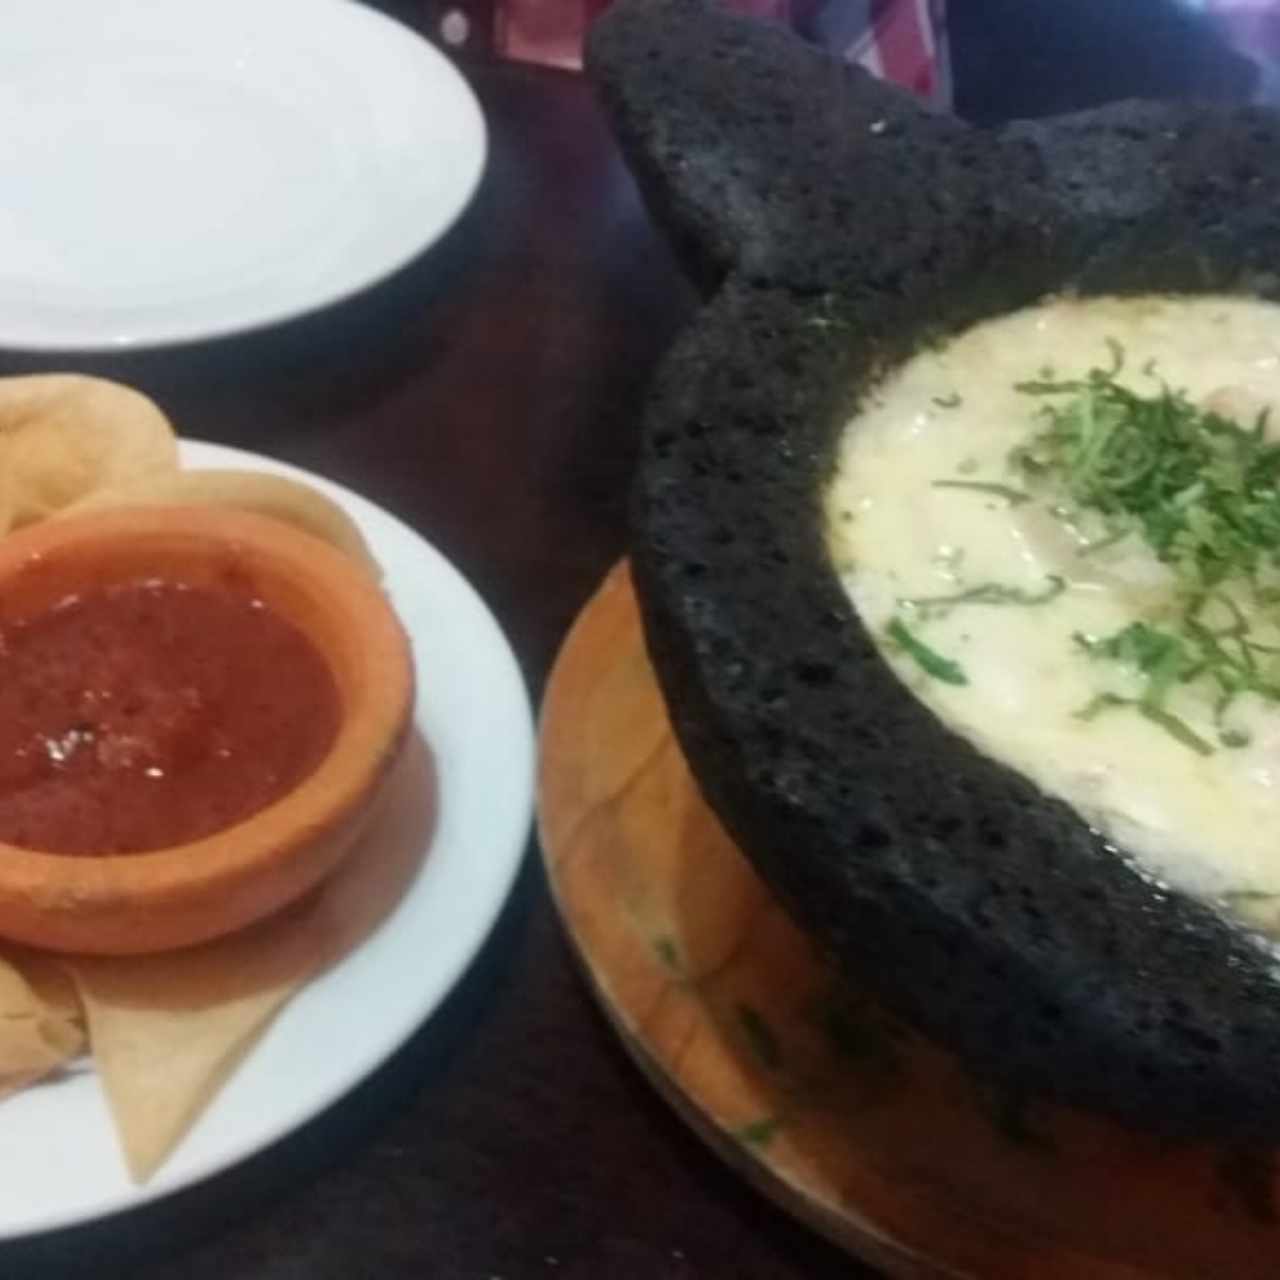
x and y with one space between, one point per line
181 169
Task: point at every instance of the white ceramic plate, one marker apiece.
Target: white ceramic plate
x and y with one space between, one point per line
61 1162
180 169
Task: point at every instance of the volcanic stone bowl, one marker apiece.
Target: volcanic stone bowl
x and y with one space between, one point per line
836 226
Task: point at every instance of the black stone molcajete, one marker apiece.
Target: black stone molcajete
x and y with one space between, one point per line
836 226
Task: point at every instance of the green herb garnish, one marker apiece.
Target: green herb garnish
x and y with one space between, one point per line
1203 492
1163 656
760 1036
1175 727
759 1133
1048 385
1014 497
1167 659
929 660
667 952
992 593
1210 642
953 400
1199 489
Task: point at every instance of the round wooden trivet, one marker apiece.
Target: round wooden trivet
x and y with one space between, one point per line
874 1136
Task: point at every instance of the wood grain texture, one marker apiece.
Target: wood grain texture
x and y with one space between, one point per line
842 1115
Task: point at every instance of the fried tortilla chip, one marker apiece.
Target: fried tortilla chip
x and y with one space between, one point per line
168 1030
40 1022
258 491
63 436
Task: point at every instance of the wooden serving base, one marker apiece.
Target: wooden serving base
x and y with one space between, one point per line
874 1136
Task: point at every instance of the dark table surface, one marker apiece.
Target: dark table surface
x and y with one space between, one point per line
488 395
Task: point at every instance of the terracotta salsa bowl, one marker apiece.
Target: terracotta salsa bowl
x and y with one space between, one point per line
187 893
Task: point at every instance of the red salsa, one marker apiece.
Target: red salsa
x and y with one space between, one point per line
148 714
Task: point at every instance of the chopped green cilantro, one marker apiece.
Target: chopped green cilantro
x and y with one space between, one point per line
1203 492
1174 726
992 593
764 1043
929 660
1014 497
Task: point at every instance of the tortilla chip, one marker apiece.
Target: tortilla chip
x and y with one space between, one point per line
40 1026
161 1065
260 492
168 1030
63 436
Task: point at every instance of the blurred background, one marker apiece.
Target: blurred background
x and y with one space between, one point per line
989 59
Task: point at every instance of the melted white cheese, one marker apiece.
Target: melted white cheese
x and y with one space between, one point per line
1207 824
